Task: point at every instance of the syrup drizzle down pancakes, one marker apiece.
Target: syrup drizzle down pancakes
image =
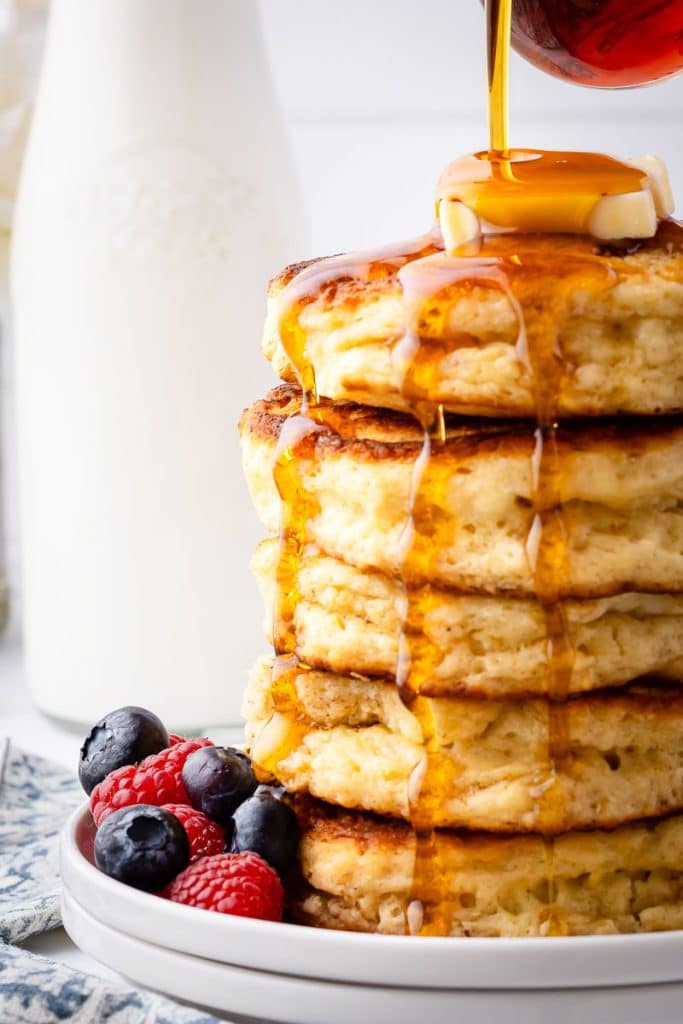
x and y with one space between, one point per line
358 870
622 346
474 482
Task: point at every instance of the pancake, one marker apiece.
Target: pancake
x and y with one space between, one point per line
352 742
358 873
348 620
620 328
621 483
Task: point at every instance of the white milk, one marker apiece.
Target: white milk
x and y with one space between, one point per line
156 199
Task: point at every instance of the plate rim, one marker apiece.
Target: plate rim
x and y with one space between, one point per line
351 957
78 918
312 1001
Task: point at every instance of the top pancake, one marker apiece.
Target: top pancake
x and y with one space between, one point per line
618 314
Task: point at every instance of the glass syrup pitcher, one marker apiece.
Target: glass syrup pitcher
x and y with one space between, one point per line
603 43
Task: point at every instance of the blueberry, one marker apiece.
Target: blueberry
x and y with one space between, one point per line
125 736
142 846
217 780
269 827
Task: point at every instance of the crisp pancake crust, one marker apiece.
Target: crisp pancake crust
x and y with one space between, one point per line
358 875
621 485
349 620
352 742
621 331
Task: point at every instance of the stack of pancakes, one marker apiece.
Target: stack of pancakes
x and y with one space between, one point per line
480 801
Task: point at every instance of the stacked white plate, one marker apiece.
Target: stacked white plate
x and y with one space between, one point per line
298 975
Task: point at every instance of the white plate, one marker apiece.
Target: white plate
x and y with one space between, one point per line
289 1000
580 962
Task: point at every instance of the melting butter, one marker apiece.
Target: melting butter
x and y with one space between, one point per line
530 191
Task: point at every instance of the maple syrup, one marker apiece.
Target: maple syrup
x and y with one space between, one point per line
298 507
530 190
606 43
537 274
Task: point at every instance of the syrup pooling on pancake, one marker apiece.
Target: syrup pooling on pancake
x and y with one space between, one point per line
524 190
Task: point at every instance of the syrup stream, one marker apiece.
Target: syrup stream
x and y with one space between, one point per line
498 26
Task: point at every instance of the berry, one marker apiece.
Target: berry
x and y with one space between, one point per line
217 780
142 846
173 738
269 827
125 736
157 780
232 883
206 837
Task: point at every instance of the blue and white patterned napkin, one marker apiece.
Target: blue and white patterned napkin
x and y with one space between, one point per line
36 798
36 991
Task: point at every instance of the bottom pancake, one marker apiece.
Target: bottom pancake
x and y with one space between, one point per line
358 875
465 762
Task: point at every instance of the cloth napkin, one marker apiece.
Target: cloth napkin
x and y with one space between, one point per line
36 797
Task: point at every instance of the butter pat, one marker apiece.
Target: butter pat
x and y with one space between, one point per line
660 184
631 215
458 223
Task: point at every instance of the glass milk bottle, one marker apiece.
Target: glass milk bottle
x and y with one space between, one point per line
156 199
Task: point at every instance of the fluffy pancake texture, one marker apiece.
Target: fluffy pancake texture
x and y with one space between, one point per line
621 487
358 875
349 620
620 329
353 742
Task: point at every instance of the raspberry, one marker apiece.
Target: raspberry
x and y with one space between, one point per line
173 738
231 883
205 836
156 780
